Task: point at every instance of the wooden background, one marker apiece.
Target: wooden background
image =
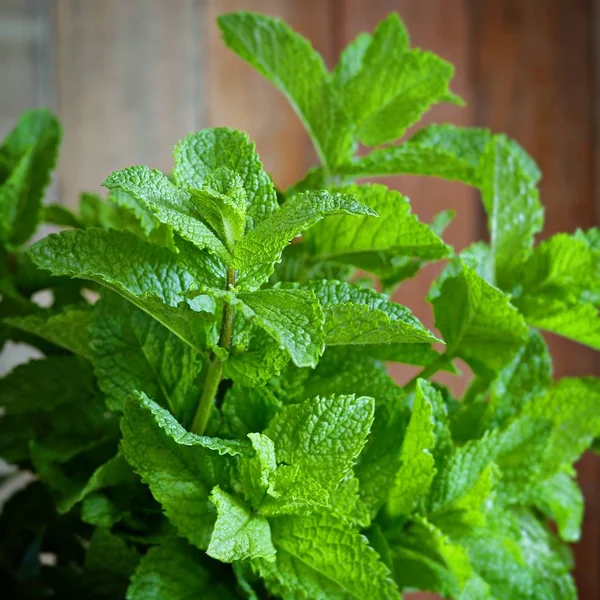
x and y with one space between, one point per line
129 78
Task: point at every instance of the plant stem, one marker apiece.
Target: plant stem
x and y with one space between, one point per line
215 368
428 371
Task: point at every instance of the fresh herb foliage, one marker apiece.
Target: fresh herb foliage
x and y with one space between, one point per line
220 423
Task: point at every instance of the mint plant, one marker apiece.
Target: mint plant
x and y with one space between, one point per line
215 419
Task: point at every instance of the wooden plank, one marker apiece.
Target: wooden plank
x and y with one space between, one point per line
27 58
129 78
441 27
533 80
240 98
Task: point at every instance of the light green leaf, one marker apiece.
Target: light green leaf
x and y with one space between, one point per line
246 410
316 444
558 288
519 558
199 155
375 76
296 69
181 468
561 500
417 468
445 151
133 352
222 203
526 377
171 205
476 319
256 471
424 558
153 278
512 203
27 157
360 240
351 60
238 534
465 477
318 556
359 315
420 80
67 328
293 318
174 570
571 405
264 245
147 226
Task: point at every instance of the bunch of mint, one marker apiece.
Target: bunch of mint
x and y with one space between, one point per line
212 417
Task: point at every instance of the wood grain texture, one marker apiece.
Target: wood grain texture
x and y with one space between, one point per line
27 62
239 97
130 85
533 80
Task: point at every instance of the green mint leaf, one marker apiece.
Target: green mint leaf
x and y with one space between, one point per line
175 570
100 511
351 60
262 359
465 476
445 151
470 510
293 318
296 69
133 352
421 80
561 500
264 245
201 157
57 214
476 319
181 468
151 277
146 225
424 558
358 315
111 554
558 288
238 534
512 203
171 205
501 554
526 377
375 76
222 204
67 328
256 471
316 444
360 240
27 157
417 466
246 410
571 405
318 556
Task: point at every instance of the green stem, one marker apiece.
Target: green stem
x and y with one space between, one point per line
428 371
215 368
